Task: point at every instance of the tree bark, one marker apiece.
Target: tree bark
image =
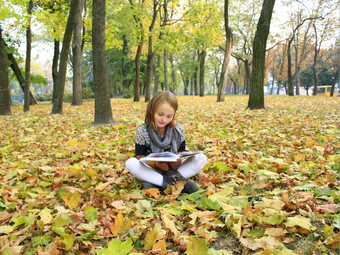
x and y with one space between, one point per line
173 74
165 64
195 78
256 95
202 64
124 65
28 59
156 75
55 63
60 84
103 110
228 45
16 70
77 96
5 97
335 80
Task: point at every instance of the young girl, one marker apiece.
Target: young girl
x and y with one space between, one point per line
161 133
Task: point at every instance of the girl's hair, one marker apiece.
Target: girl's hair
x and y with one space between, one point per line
160 98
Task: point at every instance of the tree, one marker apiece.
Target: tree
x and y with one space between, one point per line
5 97
290 75
103 111
58 95
229 42
150 51
256 95
139 24
28 58
77 56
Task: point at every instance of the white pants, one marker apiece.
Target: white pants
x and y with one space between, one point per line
187 169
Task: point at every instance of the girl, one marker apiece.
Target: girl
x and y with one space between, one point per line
161 133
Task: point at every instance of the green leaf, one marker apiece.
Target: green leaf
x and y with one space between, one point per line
18 221
91 214
257 233
41 240
211 205
117 247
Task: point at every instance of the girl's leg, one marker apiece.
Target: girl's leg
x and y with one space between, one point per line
143 173
192 166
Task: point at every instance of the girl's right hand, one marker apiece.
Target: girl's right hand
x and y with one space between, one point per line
163 166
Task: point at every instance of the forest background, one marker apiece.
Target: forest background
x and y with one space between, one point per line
184 42
271 185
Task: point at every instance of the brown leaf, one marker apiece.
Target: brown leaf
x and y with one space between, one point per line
152 192
5 216
329 208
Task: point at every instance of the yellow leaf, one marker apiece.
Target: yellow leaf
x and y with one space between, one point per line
299 157
298 221
169 224
160 245
120 225
150 239
45 216
72 200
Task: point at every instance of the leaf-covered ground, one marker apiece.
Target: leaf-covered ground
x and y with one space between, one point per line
271 185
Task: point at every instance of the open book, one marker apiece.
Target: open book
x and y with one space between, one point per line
169 157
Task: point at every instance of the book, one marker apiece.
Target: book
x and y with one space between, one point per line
169 156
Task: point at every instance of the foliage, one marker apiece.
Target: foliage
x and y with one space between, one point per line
271 185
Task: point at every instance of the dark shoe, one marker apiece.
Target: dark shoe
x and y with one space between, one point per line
167 180
190 187
148 185
175 174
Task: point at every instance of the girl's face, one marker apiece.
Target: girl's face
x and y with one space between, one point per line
163 116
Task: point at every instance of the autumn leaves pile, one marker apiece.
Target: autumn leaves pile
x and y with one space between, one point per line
271 185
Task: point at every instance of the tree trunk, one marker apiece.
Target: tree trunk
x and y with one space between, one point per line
77 96
248 74
55 64
315 72
5 97
335 80
290 76
60 84
137 64
224 72
28 59
173 74
202 64
124 65
102 105
196 74
16 70
148 70
156 75
256 95
165 64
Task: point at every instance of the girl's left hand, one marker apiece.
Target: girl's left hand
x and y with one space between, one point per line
173 164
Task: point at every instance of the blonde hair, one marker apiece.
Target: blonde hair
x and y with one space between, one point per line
160 98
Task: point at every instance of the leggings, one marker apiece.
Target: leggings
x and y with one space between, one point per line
190 167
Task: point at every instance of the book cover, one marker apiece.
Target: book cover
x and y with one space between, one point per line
169 157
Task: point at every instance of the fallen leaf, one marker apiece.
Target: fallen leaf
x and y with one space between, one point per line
152 192
169 224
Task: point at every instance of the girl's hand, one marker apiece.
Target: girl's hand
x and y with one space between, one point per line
178 162
163 166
